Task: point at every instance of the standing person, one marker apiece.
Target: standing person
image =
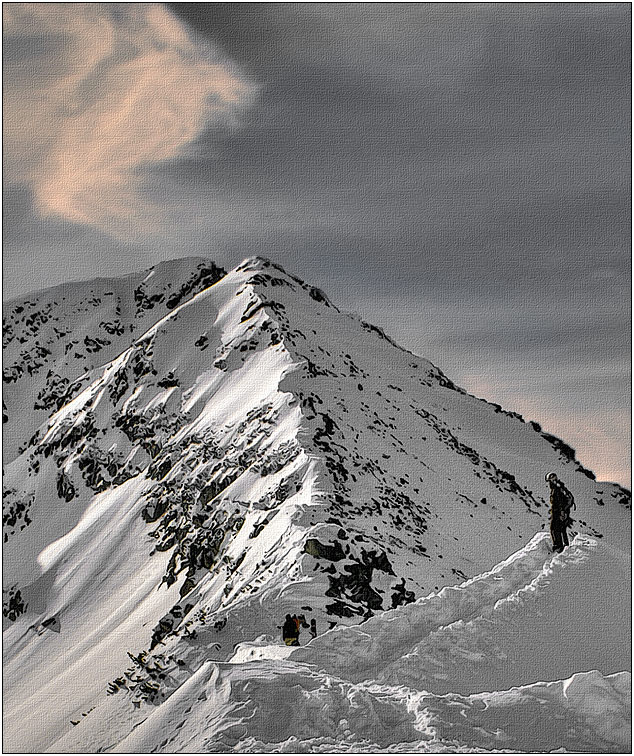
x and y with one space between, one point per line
290 631
561 502
313 628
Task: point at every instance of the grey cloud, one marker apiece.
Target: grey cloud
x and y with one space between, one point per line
525 153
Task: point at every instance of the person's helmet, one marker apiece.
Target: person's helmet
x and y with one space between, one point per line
550 476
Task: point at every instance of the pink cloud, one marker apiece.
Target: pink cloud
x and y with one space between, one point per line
114 88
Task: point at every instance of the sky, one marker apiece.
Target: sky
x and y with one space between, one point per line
456 173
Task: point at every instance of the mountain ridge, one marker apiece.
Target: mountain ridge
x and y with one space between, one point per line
253 451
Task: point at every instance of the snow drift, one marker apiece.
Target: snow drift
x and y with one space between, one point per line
343 692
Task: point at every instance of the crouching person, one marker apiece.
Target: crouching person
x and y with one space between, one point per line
290 631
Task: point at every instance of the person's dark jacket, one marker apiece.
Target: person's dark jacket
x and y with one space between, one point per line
561 502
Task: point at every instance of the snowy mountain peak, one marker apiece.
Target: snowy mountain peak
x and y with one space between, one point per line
208 452
51 338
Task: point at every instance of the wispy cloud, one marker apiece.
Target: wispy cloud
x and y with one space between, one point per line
95 92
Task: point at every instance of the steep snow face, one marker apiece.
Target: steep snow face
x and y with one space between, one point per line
243 451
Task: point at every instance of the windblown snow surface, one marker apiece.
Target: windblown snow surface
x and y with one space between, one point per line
194 454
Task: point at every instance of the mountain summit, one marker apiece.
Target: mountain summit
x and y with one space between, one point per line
193 454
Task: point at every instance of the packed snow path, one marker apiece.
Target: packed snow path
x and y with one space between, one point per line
527 619
407 679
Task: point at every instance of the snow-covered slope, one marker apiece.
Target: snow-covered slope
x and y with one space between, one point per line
381 686
245 450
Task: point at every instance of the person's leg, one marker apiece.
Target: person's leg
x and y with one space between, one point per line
555 534
564 536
